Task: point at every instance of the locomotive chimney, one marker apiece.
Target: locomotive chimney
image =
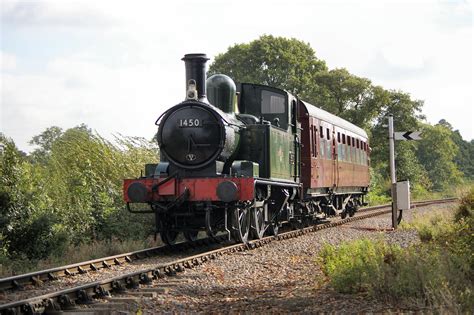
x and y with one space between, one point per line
195 76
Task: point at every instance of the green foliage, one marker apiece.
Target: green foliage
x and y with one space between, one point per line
466 208
349 96
379 192
436 153
69 191
352 266
45 142
284 63
438 272
406 115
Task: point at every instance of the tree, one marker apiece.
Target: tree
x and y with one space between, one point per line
349 96
406 115
288 64
44 141
26 226
436 152
292 65
464 159
70 193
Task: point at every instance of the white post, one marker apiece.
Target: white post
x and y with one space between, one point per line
393 175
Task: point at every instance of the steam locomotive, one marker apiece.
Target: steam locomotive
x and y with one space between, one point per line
246 159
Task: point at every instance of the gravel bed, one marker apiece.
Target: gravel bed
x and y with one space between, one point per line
279 278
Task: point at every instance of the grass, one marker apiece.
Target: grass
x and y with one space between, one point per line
437 273
381 195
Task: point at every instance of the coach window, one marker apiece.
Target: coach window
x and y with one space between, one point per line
314 141
365 153
359 159
346 146
343 147
328 144
339 149
349 142
354 151
322 144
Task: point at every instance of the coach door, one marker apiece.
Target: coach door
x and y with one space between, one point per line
317 158
296 130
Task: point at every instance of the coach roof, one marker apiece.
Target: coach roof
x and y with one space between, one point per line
333 119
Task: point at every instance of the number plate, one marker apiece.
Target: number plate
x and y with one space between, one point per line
189 123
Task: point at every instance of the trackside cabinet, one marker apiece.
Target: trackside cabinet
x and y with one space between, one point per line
403 195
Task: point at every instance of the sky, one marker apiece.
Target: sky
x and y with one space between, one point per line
116 65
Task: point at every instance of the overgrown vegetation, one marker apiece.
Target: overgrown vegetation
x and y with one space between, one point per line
438 272
68 193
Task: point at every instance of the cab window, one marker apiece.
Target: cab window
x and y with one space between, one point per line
272 103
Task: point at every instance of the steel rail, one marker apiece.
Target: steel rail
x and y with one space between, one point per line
18 282
68 298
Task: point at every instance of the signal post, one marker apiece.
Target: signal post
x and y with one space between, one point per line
400 191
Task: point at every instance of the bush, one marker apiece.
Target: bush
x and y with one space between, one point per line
466 208
438 272
68 192
419 275
351 266
39 236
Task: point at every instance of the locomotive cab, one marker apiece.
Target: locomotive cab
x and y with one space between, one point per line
272 140
267 103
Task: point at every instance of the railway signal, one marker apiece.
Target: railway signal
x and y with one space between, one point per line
401 189
408 135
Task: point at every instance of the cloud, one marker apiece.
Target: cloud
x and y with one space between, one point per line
75 90
382 66
53 13
7 61
454 14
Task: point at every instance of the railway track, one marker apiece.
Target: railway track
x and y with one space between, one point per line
83 294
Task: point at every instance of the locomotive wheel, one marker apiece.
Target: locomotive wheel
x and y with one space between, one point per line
241 224
169 237
258 223
190 236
